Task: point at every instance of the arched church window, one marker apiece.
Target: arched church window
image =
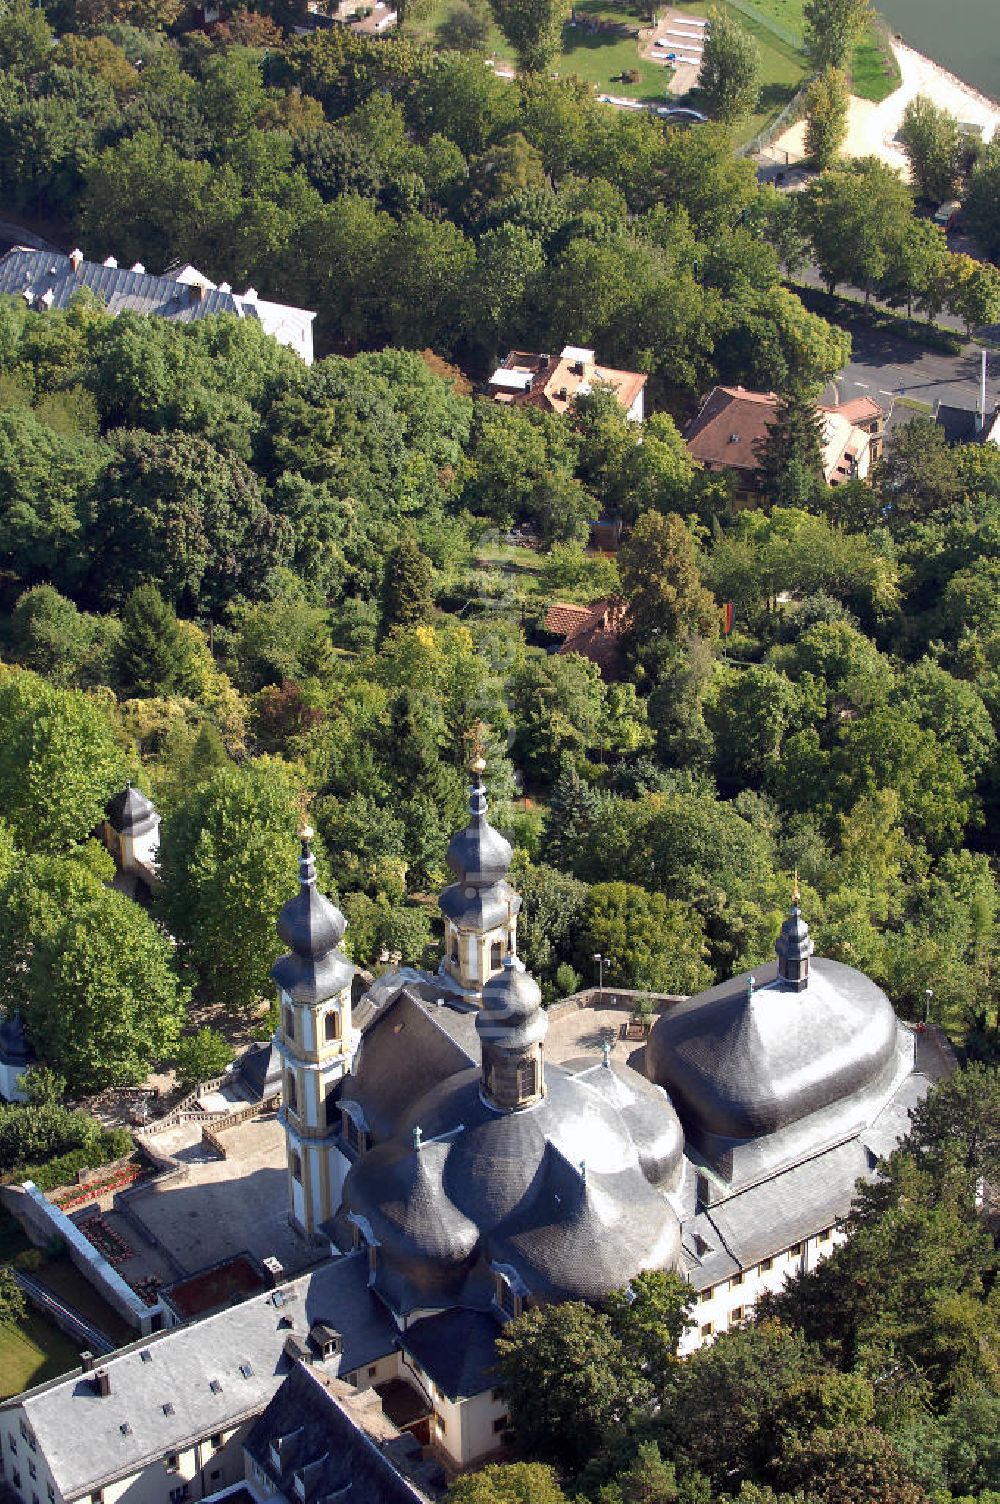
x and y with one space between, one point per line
331 1025
496 956
527 1077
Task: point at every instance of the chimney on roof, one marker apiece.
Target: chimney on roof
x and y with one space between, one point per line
87 1361
225 287
102 1382
138 267
76 259
196 292
109 261
47 299
250 296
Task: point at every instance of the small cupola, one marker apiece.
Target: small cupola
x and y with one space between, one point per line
794 946
512 1025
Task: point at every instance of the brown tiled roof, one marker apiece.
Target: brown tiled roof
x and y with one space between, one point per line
556 381
860 410
595 632
564 619
730 424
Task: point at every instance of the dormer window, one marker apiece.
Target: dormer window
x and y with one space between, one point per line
509 1300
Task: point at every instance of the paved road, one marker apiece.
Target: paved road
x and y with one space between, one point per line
885 367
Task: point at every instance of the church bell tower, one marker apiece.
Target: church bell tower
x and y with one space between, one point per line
316 1042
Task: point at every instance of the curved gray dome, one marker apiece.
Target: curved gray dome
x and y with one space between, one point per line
497 1173
741 1061
649 1116
131 813
479 856
511 1017
312 927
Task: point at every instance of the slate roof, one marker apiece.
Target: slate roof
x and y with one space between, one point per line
131 811
404 1052
50 280
323 1453
124 291
80 1432
314 969
456 1349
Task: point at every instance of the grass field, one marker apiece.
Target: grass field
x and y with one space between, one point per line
782 66
32 1352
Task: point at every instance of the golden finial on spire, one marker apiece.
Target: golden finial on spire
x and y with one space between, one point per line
796 895
476 737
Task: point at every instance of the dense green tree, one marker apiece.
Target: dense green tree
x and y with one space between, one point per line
855 217
154 653
174 512
68 647
826 116
13 1306
856 1466
508 1483
932 140
729 77
648 1317
832 29
972 290
407 593
655 944
790 458
464 29
90 972
44 482
228 858
200 1056
981 206
60 762
566 1379
661 582
533 28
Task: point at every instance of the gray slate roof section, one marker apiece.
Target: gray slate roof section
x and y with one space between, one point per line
124 291
80 1433
405 1051
320 1444
457 1349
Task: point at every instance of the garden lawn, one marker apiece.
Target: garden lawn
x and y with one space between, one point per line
32 1352
782 66
874 69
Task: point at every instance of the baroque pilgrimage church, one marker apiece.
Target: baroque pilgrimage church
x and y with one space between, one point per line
455 1176
427 1128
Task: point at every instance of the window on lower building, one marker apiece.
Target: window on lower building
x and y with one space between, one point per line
97 1497
173 1463
331 1025
795 1251
707 1328
501 1423
736 1281
736 1314
295 1164
288 1024
439 1425
765 1265
216 1440
707 1294
215 1473
291 1095
496 956
373 1370
826 1235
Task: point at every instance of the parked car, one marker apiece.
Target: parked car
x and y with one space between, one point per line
680 112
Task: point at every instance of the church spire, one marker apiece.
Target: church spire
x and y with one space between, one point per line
794 946
479 908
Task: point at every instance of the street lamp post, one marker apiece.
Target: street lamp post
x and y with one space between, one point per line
928 999
602 961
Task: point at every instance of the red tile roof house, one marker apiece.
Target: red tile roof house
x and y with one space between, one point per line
595 632
552 382
732 422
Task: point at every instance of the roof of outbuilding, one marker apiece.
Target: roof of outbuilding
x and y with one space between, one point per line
323 1453
456 1349
88 1440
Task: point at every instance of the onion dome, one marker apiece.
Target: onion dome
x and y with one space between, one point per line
131 813
512 1017
479 855
312 927
511 1025
647 1112
755 1054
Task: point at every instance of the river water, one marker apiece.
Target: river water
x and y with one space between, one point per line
962 35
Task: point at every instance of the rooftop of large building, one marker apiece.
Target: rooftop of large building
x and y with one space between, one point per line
553 382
